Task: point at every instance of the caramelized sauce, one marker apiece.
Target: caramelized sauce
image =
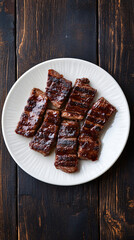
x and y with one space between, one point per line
33 113
66 149
58 88
97 116
45 138
79 100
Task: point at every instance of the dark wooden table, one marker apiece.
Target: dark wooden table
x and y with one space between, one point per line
32 31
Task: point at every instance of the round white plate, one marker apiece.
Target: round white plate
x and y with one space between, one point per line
113 140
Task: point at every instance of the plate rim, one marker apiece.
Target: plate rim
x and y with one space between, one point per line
17 82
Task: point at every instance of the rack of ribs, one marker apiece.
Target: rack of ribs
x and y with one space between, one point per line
45 138
79 100
32 116
66 149
97 116
58 88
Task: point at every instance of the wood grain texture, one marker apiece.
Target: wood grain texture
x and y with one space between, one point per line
8 221
52 29
45 30
66 28
116 48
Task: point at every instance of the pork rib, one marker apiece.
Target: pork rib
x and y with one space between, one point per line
97 116
45 138
79 100
66 149
32 116
58 88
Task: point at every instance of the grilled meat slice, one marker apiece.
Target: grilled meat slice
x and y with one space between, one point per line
97 116
67 163
58 88
32 116
88 148
79 100
66 146
45 138
66 149
69 129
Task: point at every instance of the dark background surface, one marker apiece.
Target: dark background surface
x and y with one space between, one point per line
32 31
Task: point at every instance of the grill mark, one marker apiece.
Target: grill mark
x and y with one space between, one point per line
84 90
63 151
84 99
46 134
78 103
57 88
66 142
45 138
97 114
54 89
88 149
73 108
52 120
54 96
67 157
66 150
96 118
91 119
65 164
60 81
68 131
32 116
91 129
80 81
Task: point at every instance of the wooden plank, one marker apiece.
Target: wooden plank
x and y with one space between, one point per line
116 48
7 165
45 30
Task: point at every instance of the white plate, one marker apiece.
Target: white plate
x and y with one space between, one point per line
113 140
